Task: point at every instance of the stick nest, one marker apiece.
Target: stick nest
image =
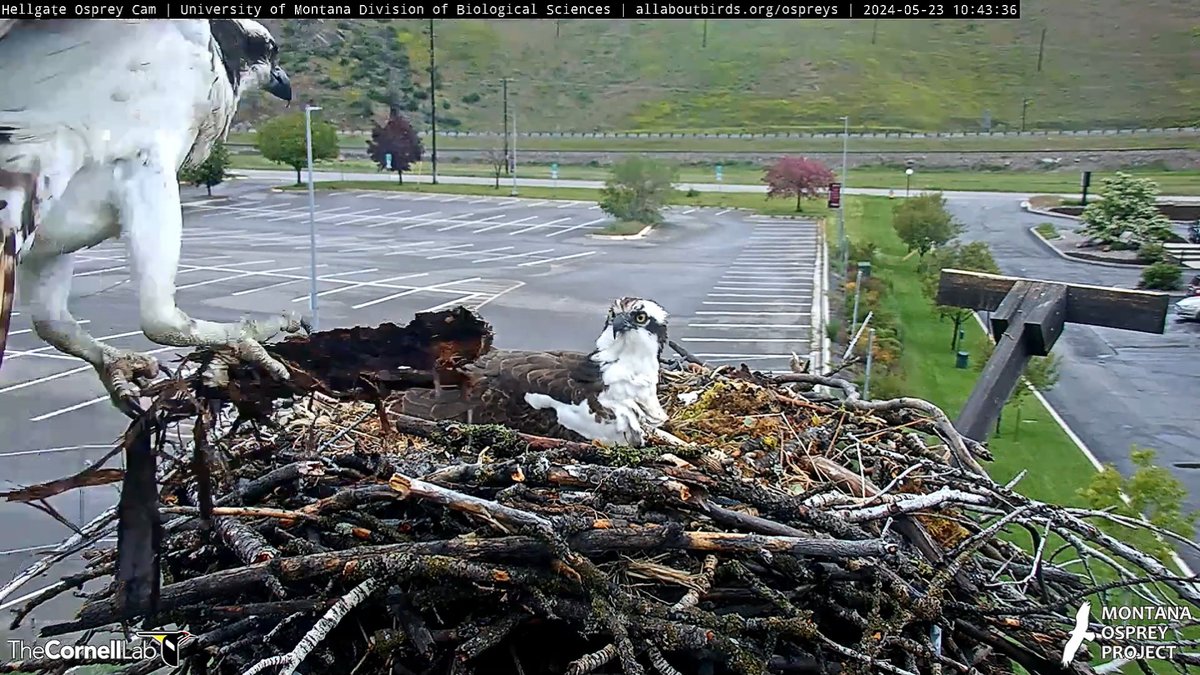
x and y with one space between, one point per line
789 527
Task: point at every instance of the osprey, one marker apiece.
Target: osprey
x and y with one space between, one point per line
96 119
609 394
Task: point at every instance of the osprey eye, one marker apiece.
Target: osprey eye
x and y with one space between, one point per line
640 317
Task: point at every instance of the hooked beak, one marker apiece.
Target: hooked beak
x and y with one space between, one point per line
279 85
621 323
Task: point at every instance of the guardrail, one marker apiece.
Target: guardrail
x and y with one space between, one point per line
1141 131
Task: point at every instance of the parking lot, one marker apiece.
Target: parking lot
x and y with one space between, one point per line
739 290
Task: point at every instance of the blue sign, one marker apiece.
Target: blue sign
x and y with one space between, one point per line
554 170
388 160
718 172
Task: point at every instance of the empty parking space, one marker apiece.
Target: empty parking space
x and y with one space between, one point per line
759 312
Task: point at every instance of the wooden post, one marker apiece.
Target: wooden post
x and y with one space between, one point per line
1027 318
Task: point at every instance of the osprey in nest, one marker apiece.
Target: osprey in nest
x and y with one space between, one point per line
442 366
96 119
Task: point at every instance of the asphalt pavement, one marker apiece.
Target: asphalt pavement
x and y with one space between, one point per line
739 289
1116 389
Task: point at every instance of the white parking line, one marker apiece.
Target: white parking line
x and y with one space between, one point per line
708 313
558 259
763 289
30 330
387 218
513 255
721 213
432 221
457 301
359 284
756 275
776 303
375 247
744 339
458 253
538 203
576 227
369 284
414 290
327 218
455 226
757 295
687 211
782 326
408 251
774 282
292 281
504 224
744 357
67 373
537 226
480 201
359 219
239 275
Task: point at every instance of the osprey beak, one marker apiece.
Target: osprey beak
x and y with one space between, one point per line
621 323
279 84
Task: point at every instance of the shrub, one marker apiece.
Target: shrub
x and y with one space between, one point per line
1151 252
1161 276
1127 213
638 189
923 223
862 251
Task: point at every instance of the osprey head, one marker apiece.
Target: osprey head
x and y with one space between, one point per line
251 57
634 324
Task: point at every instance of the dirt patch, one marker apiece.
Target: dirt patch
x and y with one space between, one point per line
1071 243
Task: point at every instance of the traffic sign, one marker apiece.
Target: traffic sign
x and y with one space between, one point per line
835 195
718 172
554 170
387 159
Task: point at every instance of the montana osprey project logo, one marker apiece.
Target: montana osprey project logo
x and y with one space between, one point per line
1078 634
170 642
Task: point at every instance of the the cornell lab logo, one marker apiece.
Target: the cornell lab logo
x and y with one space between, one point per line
169 643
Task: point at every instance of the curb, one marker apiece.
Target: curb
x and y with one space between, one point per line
1067 256
1025 206
623 237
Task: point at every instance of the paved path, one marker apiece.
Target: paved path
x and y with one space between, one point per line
289 178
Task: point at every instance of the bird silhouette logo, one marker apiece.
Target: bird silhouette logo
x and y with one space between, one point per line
1078 634
170 642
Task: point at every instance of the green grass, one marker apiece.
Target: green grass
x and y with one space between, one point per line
622 227
1048 230
728 200
1105 63
1170 182
799 145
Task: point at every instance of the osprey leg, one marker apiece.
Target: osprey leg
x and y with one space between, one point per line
48 284
152 221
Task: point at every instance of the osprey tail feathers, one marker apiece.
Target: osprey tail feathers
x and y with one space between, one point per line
16 227
8 284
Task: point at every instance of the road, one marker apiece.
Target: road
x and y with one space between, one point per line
1116 389
739 290
289 178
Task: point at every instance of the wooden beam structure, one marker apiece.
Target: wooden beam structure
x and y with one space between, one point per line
1028 316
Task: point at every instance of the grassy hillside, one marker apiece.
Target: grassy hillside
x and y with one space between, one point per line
1106 63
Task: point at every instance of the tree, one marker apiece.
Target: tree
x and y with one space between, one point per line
797 177
1126 214
398 138
923 222
211 171
281 140
973 257
498 161
1041 373
638 189
1153 493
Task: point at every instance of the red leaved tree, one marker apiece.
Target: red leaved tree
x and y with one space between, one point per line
797 177
397 137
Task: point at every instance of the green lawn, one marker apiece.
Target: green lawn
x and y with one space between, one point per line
1170 182
800 145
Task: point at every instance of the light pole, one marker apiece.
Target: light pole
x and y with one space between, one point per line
1024 107
907 180
842 202
312 221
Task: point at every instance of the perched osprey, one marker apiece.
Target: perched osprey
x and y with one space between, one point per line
96 118
609 394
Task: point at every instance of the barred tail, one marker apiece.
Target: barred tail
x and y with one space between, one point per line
8 284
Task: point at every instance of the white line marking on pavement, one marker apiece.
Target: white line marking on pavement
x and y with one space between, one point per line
30 330
687 211
414 290
512 255
749 325
504 224
721 213
240 275
797 313
756 295
537 226
292 281
458 253
763 289
360 284
776 303
744 339
455 226
446 219
558 259
408 251
387 218
576 227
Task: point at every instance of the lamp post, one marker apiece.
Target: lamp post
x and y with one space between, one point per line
312 221
842 202
907 180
